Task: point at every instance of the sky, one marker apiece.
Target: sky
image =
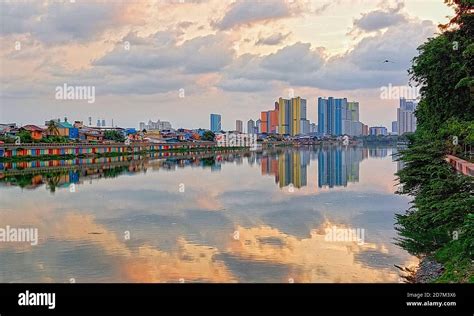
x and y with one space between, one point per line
180 60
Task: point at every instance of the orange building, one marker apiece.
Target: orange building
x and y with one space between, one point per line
35 131
273 121
269 120
264 122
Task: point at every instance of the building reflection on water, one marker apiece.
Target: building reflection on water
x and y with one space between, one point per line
288 167
192 236
337 166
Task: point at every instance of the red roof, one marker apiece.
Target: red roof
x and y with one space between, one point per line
32 128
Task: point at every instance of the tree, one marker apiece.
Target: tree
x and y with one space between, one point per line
52 128
442 199
461 8
208 135
25 137
115 136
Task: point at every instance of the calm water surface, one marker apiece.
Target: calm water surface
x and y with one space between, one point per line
255 217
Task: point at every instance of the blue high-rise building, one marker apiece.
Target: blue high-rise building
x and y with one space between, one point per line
216 125
330 115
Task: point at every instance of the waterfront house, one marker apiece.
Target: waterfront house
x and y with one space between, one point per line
9 130
8 126
66 129
36 132
91 134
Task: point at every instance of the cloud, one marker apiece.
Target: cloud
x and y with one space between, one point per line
273 39
60 22
199 55
252 72
244 85
17 17
360 68
379 19
370 52
293 59
246 12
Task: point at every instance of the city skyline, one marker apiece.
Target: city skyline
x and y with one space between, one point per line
221 60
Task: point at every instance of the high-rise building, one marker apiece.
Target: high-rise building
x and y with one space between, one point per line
269 120
216 125
103 122
395 127
350 119
365 130
250 127
330 115
298 114
258 126
338 117
291 113
284 115
158 125
273 119
305 127
239 126
264 121
378 130
406 119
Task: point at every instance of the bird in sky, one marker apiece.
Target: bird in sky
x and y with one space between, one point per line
388 61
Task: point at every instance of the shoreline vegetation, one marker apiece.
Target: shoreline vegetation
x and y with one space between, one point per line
439 226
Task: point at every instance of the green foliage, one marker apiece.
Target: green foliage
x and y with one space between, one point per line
25 137
115 136
458 268
7 139
208 135
444 71
443 201
56 139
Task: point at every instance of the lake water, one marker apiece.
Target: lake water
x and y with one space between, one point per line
291 215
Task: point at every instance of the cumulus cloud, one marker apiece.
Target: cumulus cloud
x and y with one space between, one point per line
59 22
298 57
251 72
199 55
17 18
379 19
245 12
362 67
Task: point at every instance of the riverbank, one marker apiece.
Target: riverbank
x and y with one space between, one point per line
30 152
57 151
429 270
